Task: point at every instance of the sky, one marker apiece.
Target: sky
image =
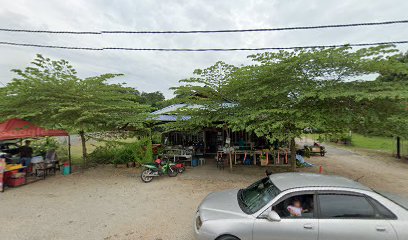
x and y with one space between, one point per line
158 71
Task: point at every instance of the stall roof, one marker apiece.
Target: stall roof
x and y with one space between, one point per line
168 114
165 114
19 129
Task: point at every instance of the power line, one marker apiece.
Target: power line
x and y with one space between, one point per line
207 31
259 29
202 49
50 46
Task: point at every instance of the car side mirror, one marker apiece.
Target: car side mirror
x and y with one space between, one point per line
273 216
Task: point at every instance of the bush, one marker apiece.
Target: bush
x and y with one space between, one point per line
121 153
103 154
156 137
43 145
343 138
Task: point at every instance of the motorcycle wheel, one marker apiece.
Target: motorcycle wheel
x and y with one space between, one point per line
144 176
172 172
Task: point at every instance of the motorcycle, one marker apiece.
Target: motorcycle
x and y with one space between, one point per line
180 167
158 168
179 164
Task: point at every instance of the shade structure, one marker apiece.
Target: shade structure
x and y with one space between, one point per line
19 129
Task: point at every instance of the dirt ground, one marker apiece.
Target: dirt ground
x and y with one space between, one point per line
377 170
112 203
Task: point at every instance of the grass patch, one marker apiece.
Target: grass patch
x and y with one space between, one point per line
385 144
76 148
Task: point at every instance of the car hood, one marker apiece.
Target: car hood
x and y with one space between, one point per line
221 205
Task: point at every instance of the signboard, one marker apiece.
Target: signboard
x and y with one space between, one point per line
2 169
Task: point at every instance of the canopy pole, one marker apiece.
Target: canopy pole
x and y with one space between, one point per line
69 154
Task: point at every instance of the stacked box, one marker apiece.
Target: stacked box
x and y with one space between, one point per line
2 168
15 182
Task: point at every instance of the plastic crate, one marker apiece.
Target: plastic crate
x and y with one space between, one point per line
15 182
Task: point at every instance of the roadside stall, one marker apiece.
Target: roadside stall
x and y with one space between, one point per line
12 172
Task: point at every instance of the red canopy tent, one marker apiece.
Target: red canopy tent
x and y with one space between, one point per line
19 129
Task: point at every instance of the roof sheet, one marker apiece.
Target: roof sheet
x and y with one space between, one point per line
169 109
170 118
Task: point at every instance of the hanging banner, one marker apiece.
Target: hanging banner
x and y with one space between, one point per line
2 169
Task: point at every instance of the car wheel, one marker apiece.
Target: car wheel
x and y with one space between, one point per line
227 237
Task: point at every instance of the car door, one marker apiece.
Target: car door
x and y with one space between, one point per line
351 216
288 228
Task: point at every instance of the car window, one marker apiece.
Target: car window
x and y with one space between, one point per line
257 195
298 206
345 206
382 212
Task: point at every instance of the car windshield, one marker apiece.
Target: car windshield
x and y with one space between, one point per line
257 195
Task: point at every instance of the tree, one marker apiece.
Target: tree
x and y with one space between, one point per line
50 93
399 71
207 89
396 126
283 93
152 98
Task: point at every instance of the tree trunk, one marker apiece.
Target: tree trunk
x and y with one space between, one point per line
293 154
398 147
83 141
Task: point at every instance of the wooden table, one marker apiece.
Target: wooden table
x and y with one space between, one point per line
240 152
188 158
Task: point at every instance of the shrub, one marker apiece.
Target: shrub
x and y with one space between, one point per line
103 154
43 145
156 137
121 153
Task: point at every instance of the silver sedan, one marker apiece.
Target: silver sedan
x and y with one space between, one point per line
294 206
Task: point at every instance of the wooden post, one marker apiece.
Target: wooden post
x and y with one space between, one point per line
293 154
84 153
69 154
230 159
398 147
205 142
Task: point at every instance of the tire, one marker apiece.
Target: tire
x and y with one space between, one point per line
172 172
145 178
227 237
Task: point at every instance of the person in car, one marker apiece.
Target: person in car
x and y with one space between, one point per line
296 209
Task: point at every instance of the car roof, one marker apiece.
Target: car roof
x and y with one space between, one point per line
285 181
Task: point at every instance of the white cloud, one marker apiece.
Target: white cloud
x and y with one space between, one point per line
151 71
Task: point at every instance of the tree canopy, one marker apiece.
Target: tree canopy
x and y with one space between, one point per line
50 93
152 98
282 93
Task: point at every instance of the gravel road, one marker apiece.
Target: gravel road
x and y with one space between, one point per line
112 203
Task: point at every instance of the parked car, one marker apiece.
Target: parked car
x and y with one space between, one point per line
328 207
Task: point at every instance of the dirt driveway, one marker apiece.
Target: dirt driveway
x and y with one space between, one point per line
374 169
108 203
